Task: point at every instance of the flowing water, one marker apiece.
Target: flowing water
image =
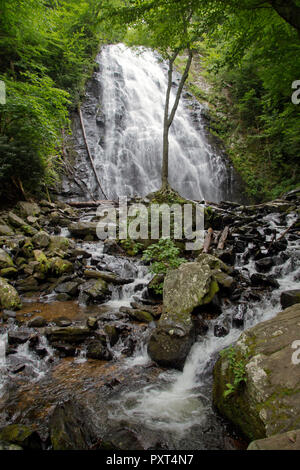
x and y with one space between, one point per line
123 116
179 406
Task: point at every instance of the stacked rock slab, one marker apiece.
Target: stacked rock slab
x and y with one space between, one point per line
268 403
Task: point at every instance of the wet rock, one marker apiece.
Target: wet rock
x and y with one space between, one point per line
112 248
264 264
289 298
121 439
221 329
8 314
5 260
9 297
260 280
92 323
70 288
37 322
61 266
41 239
137 315
269 401
107 277
71 427
96 291
20 337
64 349
62 322
82 229
20 435
239 316
112 334
97 350
69 334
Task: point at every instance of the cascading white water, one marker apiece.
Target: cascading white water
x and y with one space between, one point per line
126 126
181 401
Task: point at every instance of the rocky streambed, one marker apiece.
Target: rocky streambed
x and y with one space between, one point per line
92 358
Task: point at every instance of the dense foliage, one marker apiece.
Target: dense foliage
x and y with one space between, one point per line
47 50
252 59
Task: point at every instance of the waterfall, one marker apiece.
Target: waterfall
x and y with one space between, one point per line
123 115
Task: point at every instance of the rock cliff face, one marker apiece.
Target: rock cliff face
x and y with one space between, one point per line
267 400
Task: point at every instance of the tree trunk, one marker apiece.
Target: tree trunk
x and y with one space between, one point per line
169 118
288 10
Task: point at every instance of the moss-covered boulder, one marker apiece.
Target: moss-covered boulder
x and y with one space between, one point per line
5 260
267 399
95 290
61 266
9 297
23 436
190 286
60 245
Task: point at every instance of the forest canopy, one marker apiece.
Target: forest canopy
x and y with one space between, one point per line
248 49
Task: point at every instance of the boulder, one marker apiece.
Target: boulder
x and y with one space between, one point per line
20 435
15 220
8 446
60 245
9 297
5 260
95 291
186 288
71 427
37 322
9 273
70 288
61 266
262 281
264 265
41 239
289 298
6 231
27 209
69 334
266 401
107 277
286 441
97 350
82 229
138 315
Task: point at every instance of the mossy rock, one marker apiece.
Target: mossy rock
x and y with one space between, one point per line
23 436
5 260
61 266
9 297
269 401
